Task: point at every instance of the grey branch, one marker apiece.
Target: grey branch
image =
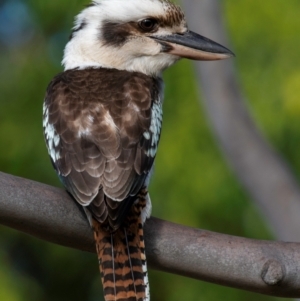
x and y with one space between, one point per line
46 212
260 169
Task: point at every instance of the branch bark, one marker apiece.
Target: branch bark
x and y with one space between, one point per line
46 212
260 169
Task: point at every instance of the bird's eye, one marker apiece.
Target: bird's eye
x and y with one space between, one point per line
148 24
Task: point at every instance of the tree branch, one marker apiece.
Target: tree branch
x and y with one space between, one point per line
260 169
46 212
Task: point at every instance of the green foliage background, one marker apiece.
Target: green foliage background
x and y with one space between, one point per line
192 184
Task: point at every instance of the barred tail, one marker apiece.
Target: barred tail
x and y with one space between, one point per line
122 261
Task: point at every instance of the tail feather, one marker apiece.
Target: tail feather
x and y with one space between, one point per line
122 260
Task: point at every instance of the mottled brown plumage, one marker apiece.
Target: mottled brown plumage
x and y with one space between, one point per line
100 116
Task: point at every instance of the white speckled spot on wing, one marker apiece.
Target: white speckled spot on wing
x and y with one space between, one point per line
155 128
51 136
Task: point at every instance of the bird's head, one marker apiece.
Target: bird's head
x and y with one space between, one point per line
135 35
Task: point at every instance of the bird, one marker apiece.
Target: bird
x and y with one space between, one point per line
102 119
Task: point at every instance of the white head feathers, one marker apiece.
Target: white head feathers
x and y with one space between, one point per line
106 34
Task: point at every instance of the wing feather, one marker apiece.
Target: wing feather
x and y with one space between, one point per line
94 124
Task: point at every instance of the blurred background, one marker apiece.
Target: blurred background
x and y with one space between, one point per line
192 184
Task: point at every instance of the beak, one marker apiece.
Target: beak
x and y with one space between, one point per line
193 46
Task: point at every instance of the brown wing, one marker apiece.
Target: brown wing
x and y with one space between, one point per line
94 124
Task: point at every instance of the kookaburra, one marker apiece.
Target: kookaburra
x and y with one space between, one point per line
102 123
